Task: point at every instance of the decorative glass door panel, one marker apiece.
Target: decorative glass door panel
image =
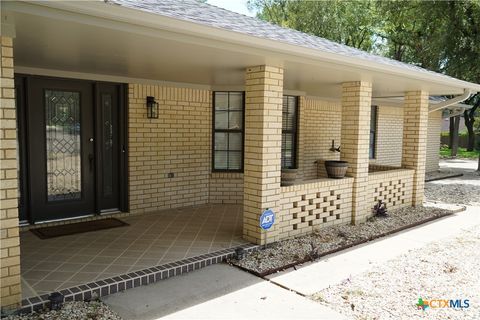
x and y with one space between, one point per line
63 145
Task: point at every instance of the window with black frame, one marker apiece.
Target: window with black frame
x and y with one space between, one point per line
228 119
373 131
289 132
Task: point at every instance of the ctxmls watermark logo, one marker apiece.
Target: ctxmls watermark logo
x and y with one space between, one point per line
443 303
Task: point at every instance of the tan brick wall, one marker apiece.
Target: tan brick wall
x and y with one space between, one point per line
415 140
226 187
10 288
356 108
263 132
313 205
433 141
320 123
393 187
179 141
388 149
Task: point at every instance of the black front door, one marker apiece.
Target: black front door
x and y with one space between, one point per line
74 149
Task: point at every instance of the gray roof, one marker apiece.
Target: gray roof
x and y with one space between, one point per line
209 15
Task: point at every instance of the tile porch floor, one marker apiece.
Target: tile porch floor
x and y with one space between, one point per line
151 239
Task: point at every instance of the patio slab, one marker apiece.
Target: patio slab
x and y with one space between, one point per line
149 240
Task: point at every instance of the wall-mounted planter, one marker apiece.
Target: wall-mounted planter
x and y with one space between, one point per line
288 177
336 169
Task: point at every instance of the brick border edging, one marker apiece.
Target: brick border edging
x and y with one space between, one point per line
353 244
131 280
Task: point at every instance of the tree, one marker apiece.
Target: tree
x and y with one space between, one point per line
353 23
469 116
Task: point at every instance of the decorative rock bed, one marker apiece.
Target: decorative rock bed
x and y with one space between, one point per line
446 269
73 311
287 253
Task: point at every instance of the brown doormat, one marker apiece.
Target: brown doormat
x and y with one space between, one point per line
80 227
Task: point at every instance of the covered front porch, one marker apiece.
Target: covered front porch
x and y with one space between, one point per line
150 240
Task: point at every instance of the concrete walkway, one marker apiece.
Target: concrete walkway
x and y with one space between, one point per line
216 292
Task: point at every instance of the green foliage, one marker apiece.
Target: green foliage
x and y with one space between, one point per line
442 36
353 23
445 152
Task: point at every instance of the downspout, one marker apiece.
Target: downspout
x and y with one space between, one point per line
448 103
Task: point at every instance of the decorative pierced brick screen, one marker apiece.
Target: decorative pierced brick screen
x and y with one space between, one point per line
313 205
394 187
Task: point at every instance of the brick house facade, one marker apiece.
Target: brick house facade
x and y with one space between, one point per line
170 159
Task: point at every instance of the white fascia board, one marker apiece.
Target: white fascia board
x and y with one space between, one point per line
159 22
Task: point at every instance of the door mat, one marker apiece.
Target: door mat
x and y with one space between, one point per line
80 227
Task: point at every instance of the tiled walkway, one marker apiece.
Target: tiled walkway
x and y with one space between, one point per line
150 240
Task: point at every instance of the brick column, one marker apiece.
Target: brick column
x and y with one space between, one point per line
262 163
356 104
415 125
10 294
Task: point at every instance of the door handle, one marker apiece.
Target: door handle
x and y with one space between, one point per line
90 162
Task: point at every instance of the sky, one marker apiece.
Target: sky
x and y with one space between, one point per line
239 6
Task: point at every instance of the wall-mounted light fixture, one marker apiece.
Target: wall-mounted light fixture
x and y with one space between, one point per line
152 108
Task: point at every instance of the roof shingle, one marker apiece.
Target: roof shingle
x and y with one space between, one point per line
209 15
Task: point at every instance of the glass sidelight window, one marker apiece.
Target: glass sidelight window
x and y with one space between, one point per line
373 131
289 132
228 122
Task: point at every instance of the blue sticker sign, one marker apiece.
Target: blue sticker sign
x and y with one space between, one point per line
267 219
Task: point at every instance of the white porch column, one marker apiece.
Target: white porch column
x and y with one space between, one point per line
262 163
415 125
356 108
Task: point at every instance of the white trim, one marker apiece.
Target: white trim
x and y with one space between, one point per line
103 77
201 32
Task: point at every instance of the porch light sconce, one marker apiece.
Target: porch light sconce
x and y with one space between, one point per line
152 108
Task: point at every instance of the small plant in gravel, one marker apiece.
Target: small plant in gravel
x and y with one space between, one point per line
380 209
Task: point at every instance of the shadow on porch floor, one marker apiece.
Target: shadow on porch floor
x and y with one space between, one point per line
151 239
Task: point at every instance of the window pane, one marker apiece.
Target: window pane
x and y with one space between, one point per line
234 160
287 142
234 120
292 102
221 161
235 143
236 101
221 120
221 141
221 100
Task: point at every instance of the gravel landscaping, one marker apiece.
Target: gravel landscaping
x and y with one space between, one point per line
462 190
296 250
446 269
94 310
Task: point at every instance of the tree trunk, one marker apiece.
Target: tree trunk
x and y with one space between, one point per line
450 134
456 125
478 169
469 120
